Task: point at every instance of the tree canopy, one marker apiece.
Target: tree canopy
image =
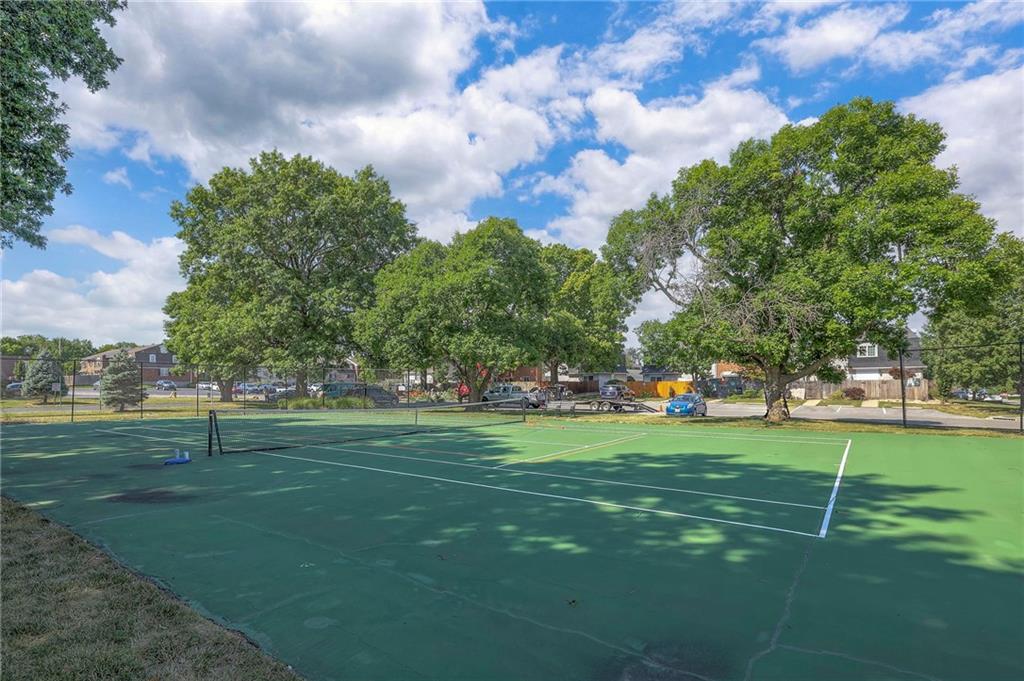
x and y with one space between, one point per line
277 259
586 310
41 41
807 243
976 349
43 373
119 386
475 304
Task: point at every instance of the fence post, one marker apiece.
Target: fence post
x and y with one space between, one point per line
74 379
323 387
903 391
195 384
141 389
245 386
1020 384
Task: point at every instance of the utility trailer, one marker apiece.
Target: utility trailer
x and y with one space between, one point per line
621 406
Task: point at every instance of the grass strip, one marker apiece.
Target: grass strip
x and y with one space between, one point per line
71 612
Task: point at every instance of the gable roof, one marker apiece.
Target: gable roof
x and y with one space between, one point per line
106 354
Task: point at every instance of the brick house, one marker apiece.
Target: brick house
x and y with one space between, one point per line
156 361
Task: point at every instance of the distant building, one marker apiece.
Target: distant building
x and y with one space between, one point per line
870 362
155 361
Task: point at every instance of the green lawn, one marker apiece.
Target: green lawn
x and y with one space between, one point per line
593 548
965 408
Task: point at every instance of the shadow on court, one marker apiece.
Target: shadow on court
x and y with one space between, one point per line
348 564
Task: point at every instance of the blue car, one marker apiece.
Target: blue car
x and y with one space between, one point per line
687 404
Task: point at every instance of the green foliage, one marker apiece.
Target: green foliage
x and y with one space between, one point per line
812 241
32 344
586 310
476 304
327 403
119 345
277 259
119 386
979 348
40 42
43 372
677 344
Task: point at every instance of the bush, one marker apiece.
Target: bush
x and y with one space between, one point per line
853 393
753 392
329 403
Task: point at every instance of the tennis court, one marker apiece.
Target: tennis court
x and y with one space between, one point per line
487 546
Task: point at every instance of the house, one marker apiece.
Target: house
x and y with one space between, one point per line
722 369
870 362
619 373
155 361
656 373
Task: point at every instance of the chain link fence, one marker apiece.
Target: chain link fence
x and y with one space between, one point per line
976 386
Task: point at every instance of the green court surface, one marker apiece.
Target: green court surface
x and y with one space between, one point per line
563 549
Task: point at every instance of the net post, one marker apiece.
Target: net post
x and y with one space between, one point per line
74 379
903 391
141 389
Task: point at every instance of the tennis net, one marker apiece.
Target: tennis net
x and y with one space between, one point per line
230 433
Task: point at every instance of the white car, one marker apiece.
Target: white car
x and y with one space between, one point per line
207 386
507 391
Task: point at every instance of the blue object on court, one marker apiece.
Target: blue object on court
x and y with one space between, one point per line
178 458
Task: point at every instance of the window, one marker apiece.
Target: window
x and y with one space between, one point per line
152 358
174 359
163 349
164 371
867 350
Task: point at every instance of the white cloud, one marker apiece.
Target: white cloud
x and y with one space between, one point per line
661 138
945 39
106 306
842 33
118 176
984 121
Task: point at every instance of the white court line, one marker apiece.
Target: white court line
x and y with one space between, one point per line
580 448
835 493
883 411
459 438
620 483
655 432
561 497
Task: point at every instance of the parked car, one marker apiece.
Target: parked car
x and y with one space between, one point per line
380 396
207 386
617 390
281 394
687 404
13 389
164 384
336 389
961 394
505 391
245 389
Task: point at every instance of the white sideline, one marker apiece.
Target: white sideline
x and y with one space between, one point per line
681 490
571 450
835 493
514 490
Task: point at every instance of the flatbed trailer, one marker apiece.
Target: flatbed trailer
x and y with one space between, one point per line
622 406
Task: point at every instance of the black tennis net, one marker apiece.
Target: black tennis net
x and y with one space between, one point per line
228 432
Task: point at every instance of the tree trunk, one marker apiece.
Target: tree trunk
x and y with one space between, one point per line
225 390
553 368
301 383
774 396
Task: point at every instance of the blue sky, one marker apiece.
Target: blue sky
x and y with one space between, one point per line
558 114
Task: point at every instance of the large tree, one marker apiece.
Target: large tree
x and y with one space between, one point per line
974 349
676 344
277 258
807 243
475 304
40 42
584 321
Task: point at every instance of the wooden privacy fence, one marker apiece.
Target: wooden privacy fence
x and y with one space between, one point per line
881 389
